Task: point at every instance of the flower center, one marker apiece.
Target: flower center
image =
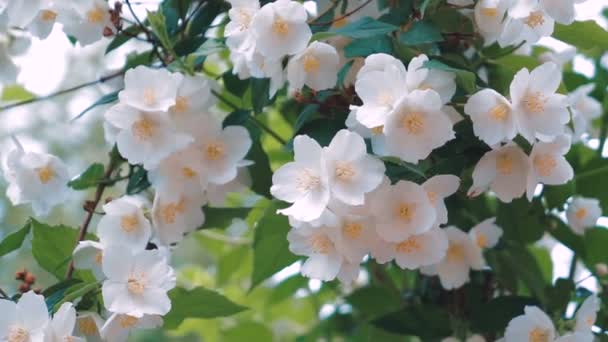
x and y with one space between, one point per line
406 211
45 174
188 172
580 213
311 63
87 326
590 321
535 19
344 171
500 112
321 244
341 22
307 180
280 27
18 334
413 123
129 223
481 240
432 195
136 286
170 211
48 15
96 15
143 129
489 11
544 164
538 335
455 252
504 164
128 321
149 96
385 99
244 19
214 151
378 130
352 230
534 102
181 104
98 257
408 246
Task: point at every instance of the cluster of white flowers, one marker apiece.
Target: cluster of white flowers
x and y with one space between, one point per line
85 20
582 213
539 115
513 22
260 38
535 325
344 208
403 111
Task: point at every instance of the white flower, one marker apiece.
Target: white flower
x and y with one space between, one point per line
349 272
61 327
583 213
422 78
380 84
375 135
533 325
562 11
319 245
88 325
489 18
584 109
316 66
46 17
576 337
548 164
180 171
263 67
88 256
303 182
415 251
36 178
462 255
437 189
88 22
150 89
124 223
352 172
587 314
280 29
24 321
539 111
559 58
241 15
417 126
492 116
118 327
504 171
402 210
137 283
355 232
529 24
193 97
175 214
486 233
145 137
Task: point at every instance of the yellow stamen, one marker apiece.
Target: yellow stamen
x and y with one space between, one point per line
378 130
129 223
136 286
128 321
18 334
188 172
149 96
489 11
87 326
344 171
98 257
481 240
406 211
45 174
321 244
500 112
455 252
544 164
534 102
143 129
413 123
311 63
538 335
408 246
214 151
280 27
504 164
432 196
535 19
170 211
96 15
352 230
307 180
580 213
181 105
48 15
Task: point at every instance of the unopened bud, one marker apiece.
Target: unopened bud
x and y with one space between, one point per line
23 288
29 278
20 275
601 269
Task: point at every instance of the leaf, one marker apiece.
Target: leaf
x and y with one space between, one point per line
582 34
198 303
372 301
203 18
270 247
123 37
521 220
494 316
222 217
15 93
559 295
158 23
287 288
107 98
596 240
260 172
89 178
423 320
464 78
209 47
587 181
54 294
52 246
421 32
364 47
248 331
259 94
138 181
14 240
365 27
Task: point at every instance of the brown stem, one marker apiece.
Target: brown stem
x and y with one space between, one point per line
344 16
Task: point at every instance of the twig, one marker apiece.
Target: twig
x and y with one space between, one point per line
91 209
62 92
3 294
149 35
344 16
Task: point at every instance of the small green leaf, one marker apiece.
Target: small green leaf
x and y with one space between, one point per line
198 303
138 181
559 295
417 320
158 23
14 240
287 288
260 172
222 217
259 94
365 27
209 47
270 247
54 294
16 93
494 316
372 301
89 178
582 34
107 98
421 32
596 240
364 47
464 78
306 116
123 37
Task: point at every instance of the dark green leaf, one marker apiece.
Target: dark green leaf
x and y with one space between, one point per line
372 301
54 294
138 181
260 172
464 78
259 94
159 27
248 331
494 316
306 115
521 220
89 178
14 240
596 240
365 27
582 34
107 98
233 84
421 32
424 320
122 38
560 231
587 181
209 47
222 217
559 295
202 19
364 47
198 303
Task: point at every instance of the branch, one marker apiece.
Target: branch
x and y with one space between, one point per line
62 92
344 16
3 294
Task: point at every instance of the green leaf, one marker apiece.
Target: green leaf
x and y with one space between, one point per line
16 93
89 178
222 217
494 316
52 246
248 331
365 27
559 295
123 37
260 172
521 220
235 85
209 47
287 288
202 19
372 301
364 47
560 231
158 23
421 32
54 294
556 195
464 78
595 173
423 320
138 181
198 303
582 34
270 247
107 98
259 94
306 116
14 240
596 240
